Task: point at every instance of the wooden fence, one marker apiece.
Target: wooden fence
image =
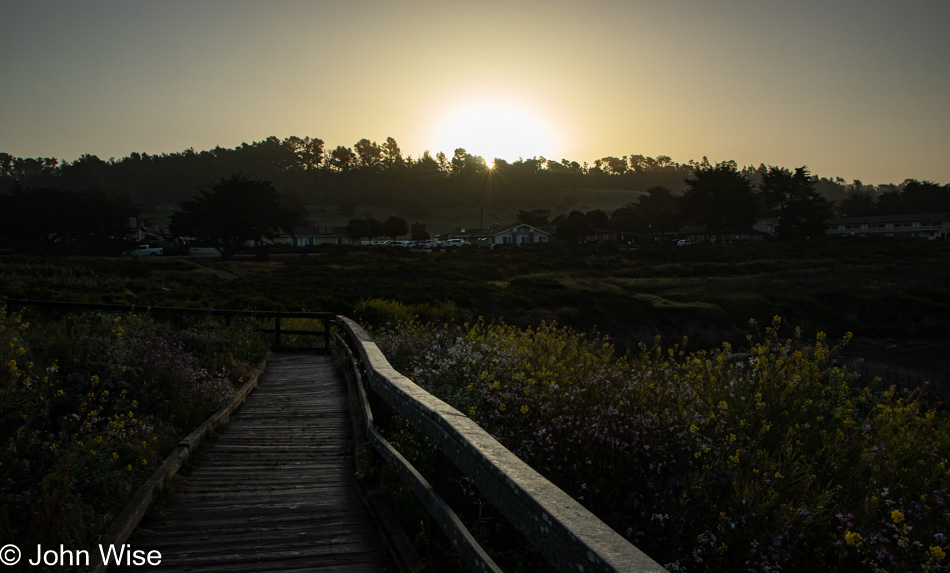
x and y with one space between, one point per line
327 318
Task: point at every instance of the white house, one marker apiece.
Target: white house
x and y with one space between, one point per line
521 234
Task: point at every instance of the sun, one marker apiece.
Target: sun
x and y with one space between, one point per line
495 130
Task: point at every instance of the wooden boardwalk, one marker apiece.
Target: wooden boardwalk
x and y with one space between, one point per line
276 490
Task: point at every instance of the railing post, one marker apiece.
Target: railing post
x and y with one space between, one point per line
326 335
276 332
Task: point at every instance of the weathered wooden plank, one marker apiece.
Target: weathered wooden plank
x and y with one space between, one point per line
276 490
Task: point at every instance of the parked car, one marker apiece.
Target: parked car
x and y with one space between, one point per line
456 243
145 250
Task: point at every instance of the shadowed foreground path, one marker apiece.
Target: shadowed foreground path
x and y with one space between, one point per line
276 490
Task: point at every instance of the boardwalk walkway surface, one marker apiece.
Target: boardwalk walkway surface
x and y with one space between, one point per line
276 490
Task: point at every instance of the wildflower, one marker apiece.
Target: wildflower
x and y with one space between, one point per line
778 475
115 455
128 468
502 407
852 538
897 516
143 461
524 409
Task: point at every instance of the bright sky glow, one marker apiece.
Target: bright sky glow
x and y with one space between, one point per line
851 88
495 130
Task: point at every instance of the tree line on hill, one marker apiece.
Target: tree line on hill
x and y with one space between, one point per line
371 173
48 205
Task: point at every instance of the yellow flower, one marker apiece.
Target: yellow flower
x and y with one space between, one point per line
852 538
115 455
778 475
524 409
937 553
897 516
502 407
128 468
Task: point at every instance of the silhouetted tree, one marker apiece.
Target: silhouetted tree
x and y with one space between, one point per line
368 152
342 158
857 204
50 218
357 228
792 197
925 197
395 227
234 211
613 165
573 228
418 232
374 228
720 197
392 155
659 209
464 163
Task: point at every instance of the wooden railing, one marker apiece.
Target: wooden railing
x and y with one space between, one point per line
278 332
568 536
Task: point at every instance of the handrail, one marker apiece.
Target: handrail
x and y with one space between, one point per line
566 534
277 331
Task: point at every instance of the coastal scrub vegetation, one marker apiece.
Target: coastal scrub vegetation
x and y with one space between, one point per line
91 403
771 459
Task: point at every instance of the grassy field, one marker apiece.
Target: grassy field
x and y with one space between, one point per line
878 289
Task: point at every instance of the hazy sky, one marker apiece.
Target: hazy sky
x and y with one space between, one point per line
852 88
